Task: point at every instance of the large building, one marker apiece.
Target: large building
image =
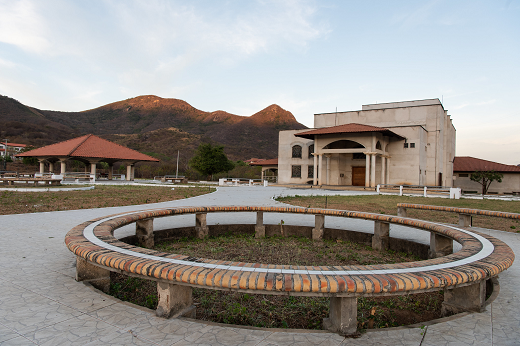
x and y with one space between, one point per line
410 143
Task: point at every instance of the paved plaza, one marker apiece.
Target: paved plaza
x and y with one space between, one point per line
41 303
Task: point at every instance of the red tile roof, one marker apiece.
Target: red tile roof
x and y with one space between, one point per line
89 146
472 164
270 162
14 144
346 128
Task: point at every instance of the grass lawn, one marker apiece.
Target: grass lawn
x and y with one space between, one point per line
385 204
13 202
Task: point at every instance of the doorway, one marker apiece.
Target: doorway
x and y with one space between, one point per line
358 176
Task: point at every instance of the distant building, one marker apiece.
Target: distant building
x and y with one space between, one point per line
12 148
410 142
463 166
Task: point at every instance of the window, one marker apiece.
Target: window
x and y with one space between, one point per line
406 145
296 171
310 171
297 151
311 151
378 145
463 175
358 156
412 145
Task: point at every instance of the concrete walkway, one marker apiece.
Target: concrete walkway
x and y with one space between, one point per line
41 303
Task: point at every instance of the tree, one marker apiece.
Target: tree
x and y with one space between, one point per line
485 178
28 160
210 159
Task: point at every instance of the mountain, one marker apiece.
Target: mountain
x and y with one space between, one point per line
152 124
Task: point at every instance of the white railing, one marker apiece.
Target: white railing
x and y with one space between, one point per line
453 192
241 182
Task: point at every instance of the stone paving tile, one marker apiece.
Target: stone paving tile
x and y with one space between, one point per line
167 332
19 341
302 339
25 311
121 338
403 337
123 316
7 333
217 335
75 331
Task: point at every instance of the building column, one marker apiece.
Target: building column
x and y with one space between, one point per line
367 170
327 171
315 172
42 166
373 171
63 168
51 167
383 170
387 170
320 166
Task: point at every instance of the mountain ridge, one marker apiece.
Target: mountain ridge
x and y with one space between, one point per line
242 136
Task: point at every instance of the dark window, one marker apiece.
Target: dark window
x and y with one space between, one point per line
343 144
359 156
378 145
463 175
296 171
412 145
311 151
297 151
406 145
310 172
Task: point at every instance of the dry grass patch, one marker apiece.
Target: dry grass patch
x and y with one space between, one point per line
384 204
284 311
13 202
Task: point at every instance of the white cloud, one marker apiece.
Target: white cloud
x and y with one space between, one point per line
22 26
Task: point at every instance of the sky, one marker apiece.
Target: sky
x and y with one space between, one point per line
242 56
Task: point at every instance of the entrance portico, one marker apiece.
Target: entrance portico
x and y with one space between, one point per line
350 154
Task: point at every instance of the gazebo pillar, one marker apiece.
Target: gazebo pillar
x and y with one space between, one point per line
42 166
130 170
93 169
51 167
63 166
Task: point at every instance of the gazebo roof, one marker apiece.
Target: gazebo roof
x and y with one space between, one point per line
89 146
346 128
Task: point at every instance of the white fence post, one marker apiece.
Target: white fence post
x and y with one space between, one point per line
401 190
425 194
377 188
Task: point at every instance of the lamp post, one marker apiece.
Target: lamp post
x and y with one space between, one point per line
5 155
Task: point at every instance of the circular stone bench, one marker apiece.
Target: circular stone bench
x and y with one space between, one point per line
462 275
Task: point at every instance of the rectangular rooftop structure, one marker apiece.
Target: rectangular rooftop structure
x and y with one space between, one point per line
418 103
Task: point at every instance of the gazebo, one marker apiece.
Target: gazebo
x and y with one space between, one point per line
89 149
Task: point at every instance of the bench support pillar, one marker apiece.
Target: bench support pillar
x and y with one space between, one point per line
342 315
144 233
381 238
401 212
259 227
319 225
201 227
466 298
439 246
96 276
173 299
465 220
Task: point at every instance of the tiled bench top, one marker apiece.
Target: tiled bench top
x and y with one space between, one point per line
467 211
480 258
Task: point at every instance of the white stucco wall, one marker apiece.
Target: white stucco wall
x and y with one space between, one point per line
510 183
